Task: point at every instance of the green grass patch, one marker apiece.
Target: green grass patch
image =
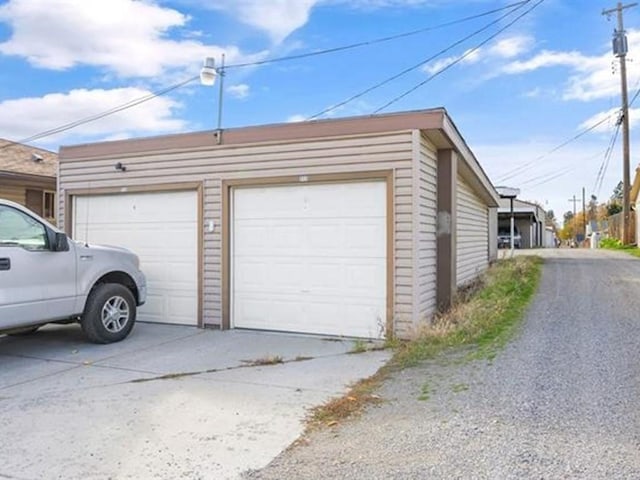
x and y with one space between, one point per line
359 346
425 393
615 244
459 387
486 316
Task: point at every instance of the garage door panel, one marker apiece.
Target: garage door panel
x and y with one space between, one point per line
321 315
310 258
162 229
268 276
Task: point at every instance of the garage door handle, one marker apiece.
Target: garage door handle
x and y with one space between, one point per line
5 264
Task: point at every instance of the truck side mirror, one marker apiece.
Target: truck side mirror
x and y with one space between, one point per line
61 242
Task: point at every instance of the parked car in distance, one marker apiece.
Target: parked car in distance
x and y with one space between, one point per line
46 277
504 238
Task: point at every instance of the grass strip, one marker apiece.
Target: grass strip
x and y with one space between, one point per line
615 244
485 315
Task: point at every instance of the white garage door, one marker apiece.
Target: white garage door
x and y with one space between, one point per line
310 259
161 228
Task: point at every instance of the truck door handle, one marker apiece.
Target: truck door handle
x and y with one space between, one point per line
5 264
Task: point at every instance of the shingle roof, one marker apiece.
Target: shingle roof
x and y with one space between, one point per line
19 158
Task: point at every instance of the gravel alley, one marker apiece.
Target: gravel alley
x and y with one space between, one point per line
562 400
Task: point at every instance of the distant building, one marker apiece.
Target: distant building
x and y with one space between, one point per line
529 221
28 177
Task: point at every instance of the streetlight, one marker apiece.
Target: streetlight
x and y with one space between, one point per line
208 74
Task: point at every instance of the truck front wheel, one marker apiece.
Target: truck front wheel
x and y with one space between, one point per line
109 314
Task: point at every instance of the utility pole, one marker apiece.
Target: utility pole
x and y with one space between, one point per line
620 48
575 220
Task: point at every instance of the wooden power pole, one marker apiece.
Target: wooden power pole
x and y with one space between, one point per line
575 219
620 50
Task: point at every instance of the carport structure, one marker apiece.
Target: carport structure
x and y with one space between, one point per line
358 227
529 220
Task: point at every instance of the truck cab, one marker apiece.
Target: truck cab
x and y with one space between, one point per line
47 277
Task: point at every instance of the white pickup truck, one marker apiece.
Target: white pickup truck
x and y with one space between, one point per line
46 277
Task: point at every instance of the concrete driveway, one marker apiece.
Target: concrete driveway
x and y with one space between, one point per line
168 402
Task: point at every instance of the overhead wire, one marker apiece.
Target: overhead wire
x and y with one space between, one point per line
166 90
527 165
377 40
609 152
98 116
457 60
417 65
605 161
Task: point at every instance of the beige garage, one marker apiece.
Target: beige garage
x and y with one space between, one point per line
341 227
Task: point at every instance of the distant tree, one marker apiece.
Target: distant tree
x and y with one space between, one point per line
568 216
617 193
613 208
550 219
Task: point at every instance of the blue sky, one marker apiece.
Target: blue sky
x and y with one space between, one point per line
514 99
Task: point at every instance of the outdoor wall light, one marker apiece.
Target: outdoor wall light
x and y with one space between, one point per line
120 167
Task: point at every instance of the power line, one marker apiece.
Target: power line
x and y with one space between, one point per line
609 152
414 67
98 116
550 176
527 165
377 40
605 161
458 60
153 95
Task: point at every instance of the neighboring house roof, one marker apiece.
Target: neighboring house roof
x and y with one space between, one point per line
19 159
521 206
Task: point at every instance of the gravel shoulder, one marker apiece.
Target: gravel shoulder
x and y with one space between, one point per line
562 400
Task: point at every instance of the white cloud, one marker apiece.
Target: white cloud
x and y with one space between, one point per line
547 59
533 93
511 47
129 38
506 48
471 57
240 91
611 117
24 117
277 18
280 18
590 76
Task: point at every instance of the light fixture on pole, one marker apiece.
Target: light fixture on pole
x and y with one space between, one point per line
208 74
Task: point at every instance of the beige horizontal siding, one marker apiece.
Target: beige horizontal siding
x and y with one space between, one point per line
13 193
379 152
426 229
472 234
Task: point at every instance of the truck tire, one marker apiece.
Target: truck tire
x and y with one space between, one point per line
109 313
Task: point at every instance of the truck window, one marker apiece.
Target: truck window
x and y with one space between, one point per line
16 228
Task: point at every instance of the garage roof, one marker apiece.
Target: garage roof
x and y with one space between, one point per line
434 123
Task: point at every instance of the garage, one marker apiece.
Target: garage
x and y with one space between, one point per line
310 258
348 227
161 228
